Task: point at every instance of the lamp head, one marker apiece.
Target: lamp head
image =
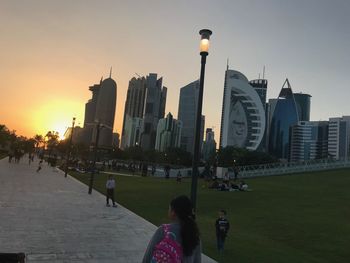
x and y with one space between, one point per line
204 44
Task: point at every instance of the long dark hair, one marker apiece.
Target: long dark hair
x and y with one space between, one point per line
183 208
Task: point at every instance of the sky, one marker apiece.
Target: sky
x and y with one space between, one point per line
52 51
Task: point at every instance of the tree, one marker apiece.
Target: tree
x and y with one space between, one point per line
39 139
230 156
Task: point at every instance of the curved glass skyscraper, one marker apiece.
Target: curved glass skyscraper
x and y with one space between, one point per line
284 116
243 113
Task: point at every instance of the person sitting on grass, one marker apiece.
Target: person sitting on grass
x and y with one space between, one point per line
214 185
243 186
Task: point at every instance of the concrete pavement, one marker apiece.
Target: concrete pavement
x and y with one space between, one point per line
52 219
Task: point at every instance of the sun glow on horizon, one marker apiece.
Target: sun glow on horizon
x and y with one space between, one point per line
56 116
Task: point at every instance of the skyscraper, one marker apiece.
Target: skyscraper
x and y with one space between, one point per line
309 141
260 86
100 109
154 108
284 116
134 106
168 133
209 145
132 132
187 115
243 113
303 102
90 111
105 112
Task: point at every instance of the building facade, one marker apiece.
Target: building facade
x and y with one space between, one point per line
134 105
132 132
154 108
285 114
187 115
168 133
303 102
243 113
100 109
209 145
309 141
339 137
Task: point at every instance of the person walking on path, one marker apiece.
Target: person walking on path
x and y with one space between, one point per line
110 185
40 165
222 226
178 241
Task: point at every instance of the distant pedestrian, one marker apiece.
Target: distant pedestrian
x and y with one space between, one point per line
222 226
179 177
177 242
110 185
236 171
167 171
40 166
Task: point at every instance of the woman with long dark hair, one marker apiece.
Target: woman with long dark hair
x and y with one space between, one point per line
179 240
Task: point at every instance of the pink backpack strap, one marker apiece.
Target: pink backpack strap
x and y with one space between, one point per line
167 233
166 228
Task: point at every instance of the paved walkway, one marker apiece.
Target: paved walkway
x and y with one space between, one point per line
53 219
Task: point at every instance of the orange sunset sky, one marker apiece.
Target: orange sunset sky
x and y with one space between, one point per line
52 51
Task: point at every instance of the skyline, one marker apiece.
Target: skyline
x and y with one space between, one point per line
55 51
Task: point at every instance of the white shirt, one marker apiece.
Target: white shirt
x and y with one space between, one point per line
110 184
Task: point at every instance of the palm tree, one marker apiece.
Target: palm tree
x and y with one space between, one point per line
39 139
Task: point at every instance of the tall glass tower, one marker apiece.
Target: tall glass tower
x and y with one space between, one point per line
284 116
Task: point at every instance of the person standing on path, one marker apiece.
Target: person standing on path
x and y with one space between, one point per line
110 185
222 226
178 240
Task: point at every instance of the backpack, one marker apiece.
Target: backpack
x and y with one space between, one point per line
167 250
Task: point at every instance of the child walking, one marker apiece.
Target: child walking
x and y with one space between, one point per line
222 226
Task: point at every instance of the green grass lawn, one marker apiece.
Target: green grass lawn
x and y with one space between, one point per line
299 218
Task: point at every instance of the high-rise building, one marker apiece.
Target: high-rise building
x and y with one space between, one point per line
154 108
284 116
100 109
187 115
116 140
134 106
168 133
303 102
105 112
90 111
260 86
243 113
309 141
209 145
339 137
132 132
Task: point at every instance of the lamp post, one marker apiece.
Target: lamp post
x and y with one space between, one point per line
98 126
204 48
69 148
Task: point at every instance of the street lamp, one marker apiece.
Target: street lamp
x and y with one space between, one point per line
204 48
69 148
98 126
